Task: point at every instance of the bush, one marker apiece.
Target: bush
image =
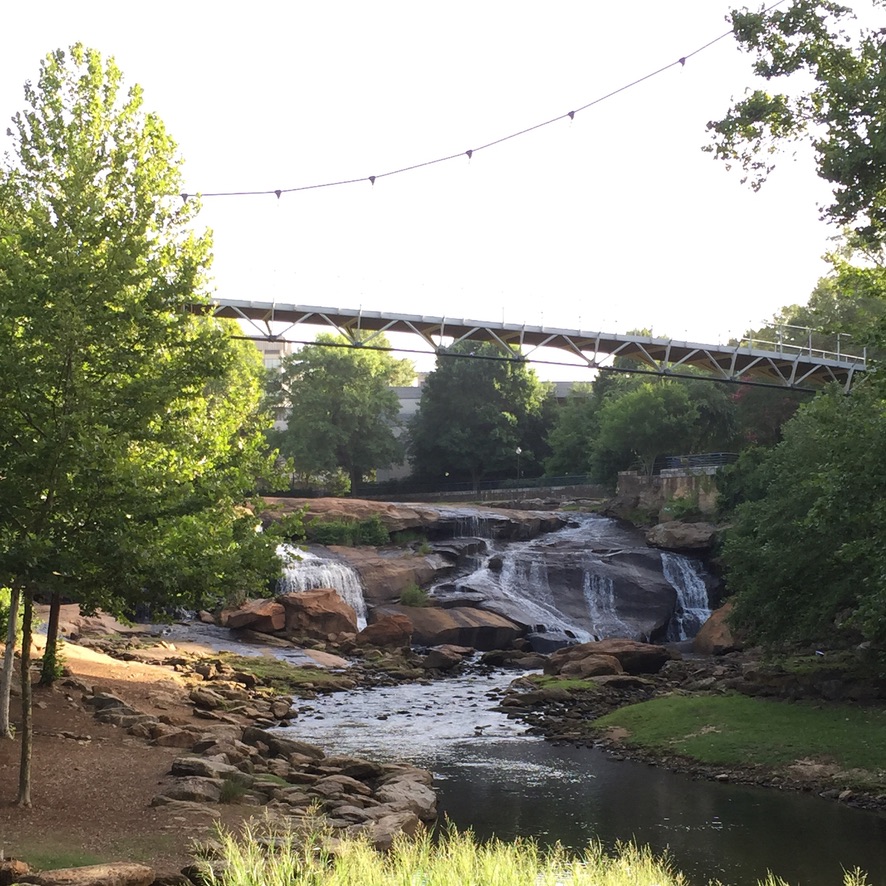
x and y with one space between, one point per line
370 531
413 595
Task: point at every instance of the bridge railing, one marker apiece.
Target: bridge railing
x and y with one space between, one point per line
790 348
697 460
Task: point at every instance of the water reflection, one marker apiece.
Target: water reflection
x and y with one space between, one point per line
495 779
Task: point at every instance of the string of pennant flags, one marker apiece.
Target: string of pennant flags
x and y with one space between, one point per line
570 115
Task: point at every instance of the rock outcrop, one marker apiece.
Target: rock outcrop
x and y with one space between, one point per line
313 614
114 874
715 636
391 631
628 655
458 626
683 538
435 522
317 613
386 574
266 616
394 517
292 779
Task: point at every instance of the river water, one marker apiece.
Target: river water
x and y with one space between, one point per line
494 778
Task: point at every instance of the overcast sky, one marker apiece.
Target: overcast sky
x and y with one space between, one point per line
612 221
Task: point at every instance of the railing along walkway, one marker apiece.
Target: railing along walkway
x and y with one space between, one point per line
751 362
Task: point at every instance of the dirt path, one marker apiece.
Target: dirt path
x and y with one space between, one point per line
92 784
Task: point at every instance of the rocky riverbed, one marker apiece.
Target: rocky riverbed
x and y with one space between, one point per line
564 714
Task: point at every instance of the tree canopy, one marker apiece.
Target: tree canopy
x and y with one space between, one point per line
837 74
477 409
341 411
131 434
806 552
623 421
125 416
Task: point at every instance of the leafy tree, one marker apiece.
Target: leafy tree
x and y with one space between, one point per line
846 310
644 423
807 551
342 413
476 410
131 432
761 412
574 427
837 106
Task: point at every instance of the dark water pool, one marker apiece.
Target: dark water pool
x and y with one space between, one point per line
493 778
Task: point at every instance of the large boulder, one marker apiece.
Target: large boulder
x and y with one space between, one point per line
445 658
459 626
257 615
387 631
683 538
632 656
394 517
317 613
715 636
118 873
386 574
278 745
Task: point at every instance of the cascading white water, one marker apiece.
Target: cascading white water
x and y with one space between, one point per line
599 593
304 571
693 608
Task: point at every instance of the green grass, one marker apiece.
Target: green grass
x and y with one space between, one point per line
421 861
735 729
48 858
570 684
847 664
263 858
286 678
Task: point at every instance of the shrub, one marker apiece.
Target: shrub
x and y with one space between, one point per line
232 791
413 595
370 531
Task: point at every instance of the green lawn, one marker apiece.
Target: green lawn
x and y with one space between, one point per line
737 730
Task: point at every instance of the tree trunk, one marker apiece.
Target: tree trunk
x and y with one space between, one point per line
8 665
49 671
24 772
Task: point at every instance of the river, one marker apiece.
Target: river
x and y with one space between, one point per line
495 779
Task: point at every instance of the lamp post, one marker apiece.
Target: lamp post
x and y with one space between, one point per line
519 451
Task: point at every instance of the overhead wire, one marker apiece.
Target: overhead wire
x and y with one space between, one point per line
372 179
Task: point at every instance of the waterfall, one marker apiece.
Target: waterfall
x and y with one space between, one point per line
599 594
693 608
304 571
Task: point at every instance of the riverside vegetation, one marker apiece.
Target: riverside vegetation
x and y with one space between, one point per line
455 859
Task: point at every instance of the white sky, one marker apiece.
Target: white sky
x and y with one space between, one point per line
616 220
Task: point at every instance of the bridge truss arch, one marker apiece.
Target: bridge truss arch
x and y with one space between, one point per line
770 364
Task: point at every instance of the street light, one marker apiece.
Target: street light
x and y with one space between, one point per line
519 451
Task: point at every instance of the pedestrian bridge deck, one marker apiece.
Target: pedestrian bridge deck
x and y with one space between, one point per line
747 362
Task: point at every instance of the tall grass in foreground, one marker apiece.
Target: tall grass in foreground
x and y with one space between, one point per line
456 859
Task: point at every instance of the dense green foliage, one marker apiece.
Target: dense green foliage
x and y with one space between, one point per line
627 421
476 413
132 428
369 531
341 411
807 551
805 557
736 730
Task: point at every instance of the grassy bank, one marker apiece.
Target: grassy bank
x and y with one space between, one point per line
735 730
455 860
